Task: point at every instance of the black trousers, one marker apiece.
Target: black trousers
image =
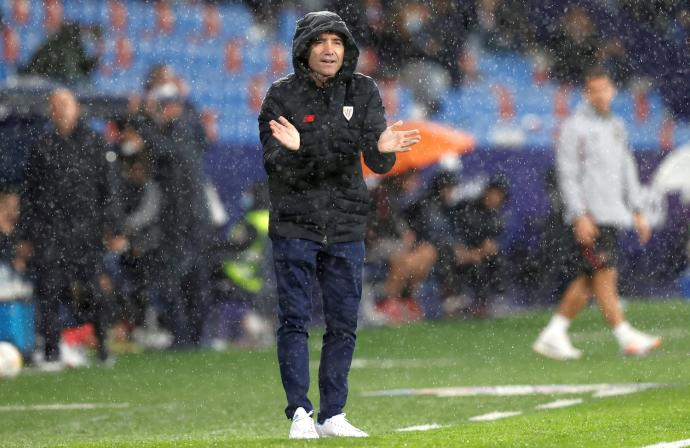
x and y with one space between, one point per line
79 287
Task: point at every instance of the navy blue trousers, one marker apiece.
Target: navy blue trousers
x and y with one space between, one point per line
338 269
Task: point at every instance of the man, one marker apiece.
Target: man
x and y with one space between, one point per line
314 124
177 147
70 210
598 180
476 258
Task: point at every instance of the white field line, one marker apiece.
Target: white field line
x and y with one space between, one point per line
421 427
391 363
599 390
63 407
494 416
594 336
676 444
560 404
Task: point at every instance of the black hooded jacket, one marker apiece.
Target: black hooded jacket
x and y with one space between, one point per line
318 192
70 197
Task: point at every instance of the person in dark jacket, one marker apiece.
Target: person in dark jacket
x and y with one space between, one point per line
70 209
177 149
477 257
314 124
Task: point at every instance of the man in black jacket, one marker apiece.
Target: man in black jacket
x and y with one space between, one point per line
69 211
314 124
178 146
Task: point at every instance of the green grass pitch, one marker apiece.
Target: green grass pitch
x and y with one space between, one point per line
234 399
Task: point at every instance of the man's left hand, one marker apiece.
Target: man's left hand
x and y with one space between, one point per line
392 140
644 231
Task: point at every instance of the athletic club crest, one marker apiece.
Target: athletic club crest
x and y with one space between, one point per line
348 111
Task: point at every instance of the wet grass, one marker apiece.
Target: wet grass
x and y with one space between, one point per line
235 398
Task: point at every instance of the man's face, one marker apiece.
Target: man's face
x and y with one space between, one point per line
599 92
64 110
326 55
9 211
494 198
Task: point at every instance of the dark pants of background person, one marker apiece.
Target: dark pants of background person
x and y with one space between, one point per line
77 286
338 269
482 279
185 296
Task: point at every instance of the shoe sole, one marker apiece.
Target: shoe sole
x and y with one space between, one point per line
634 351
543 350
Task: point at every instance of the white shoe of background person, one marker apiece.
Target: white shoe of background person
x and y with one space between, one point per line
338 426
73 356
50 366
556 345
637 343
303 425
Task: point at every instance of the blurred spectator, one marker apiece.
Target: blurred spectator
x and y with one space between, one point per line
177 153
421 70
432 219
70 209
64 56
242 276
11 253
614 57
475 260
392 246
574 49
504 25
142 202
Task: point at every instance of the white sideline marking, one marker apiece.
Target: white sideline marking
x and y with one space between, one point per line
676 444
421 427
599 390
560 404
619 389
491 416
363 363
63 407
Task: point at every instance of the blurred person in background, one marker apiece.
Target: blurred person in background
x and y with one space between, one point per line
9 238
64 56
142 202
70 211
393 246
315 125
598 181
475 261
177 164
432 220
241 277
575 48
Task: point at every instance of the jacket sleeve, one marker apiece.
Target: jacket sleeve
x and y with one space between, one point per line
374 125
631 187
569 170
109 188
278 161
34 171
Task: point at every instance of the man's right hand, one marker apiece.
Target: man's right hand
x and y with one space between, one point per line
286 134
586 230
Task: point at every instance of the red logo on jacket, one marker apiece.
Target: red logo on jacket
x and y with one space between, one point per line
309 118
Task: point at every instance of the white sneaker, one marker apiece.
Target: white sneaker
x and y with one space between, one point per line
50 366
556 345
302 425
338 426
73 356
639 343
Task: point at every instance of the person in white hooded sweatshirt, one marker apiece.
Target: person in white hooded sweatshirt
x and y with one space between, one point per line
598 180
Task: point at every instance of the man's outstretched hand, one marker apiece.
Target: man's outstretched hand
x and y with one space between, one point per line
286 134
392 140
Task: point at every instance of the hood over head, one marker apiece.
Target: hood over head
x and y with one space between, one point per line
311 26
